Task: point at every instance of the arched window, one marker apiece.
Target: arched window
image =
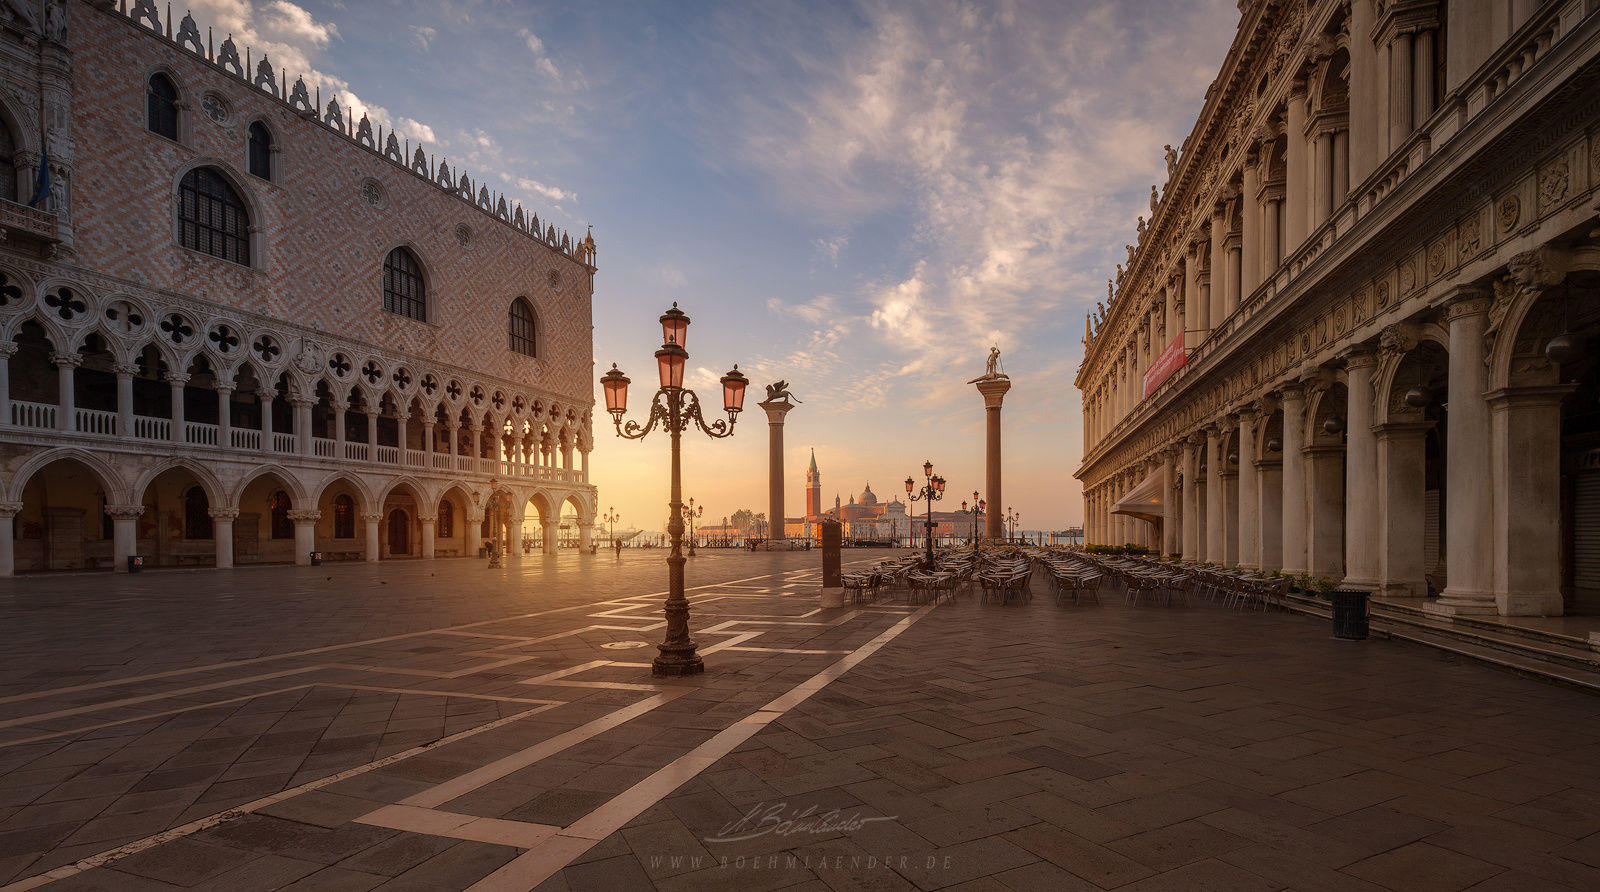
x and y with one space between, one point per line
344 517
8 168
260 151
196 514
212 218
523 338
278 507
404 292
445 526
162 106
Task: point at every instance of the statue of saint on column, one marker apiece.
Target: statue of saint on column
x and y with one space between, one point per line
992 370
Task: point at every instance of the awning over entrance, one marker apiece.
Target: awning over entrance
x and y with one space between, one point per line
1143 501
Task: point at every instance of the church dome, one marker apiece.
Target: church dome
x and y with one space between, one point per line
867 496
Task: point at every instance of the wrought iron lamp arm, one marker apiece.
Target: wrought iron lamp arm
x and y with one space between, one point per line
722 427
633 430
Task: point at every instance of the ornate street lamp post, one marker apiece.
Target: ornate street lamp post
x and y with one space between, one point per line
977 512
690 512
931 491
677 409
610 519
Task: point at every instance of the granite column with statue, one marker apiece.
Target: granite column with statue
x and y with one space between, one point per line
993 386
776 405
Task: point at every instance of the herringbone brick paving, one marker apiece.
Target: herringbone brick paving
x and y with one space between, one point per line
994 747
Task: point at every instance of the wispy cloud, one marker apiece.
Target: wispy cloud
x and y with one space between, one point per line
298 45
1017 142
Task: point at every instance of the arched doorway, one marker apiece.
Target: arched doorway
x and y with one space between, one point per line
399 528
176 528
341 534
263 532
63 523
400 531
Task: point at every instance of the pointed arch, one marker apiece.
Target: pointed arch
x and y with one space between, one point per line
208 480
109 479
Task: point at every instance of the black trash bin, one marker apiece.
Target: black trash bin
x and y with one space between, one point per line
135 563
316 558
1349 613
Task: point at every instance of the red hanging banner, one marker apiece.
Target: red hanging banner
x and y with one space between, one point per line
1170 360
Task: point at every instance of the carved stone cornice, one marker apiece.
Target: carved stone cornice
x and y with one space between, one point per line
304 515
227 515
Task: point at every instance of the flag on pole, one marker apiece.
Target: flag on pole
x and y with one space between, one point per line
41 184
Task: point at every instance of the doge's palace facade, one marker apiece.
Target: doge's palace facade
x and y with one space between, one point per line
242 327
1359 336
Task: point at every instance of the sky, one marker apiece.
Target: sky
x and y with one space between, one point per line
857 197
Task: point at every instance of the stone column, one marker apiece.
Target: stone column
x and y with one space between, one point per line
1294 508
178 434
1250 223
222 532
1191 505
1269 508
124 372
1272 235
1296 207
1322 180
1215 501
514 535
1361 474
429 524
1469 471
225 416
1219 266
305 533
302 422
1527 495
1249 516
8 534
1402 464
551 529
1401 121
8 350
266 396
1230 513
372 433
1341 167
1193 316
371 523
993 391
66 408
124 534
452 432
428 444
1171 531
400 421
1235 270
473 534
776 410
585 536
339 407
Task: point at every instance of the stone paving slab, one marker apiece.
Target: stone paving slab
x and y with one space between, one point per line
490 738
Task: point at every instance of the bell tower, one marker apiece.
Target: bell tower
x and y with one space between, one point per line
813 488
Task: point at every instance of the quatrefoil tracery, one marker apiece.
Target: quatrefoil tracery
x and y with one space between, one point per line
66 304
224 339
177 328
266 348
